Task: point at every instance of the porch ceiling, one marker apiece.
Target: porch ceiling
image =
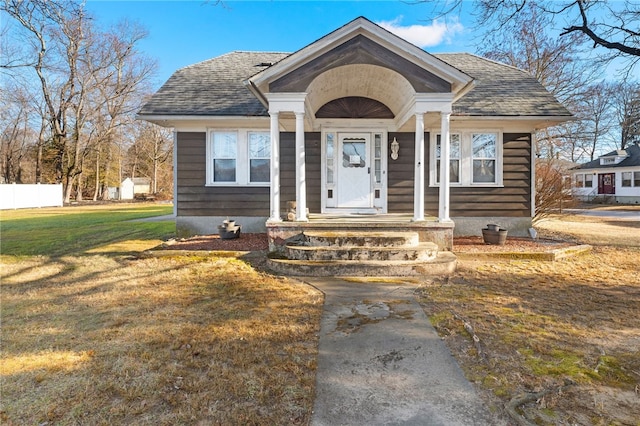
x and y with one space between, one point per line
369 81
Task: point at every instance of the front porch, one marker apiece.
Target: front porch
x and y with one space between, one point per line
428 230
361 245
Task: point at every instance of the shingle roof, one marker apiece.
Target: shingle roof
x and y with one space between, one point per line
632 160
501 90
215 88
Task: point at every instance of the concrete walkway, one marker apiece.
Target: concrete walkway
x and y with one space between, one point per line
382 363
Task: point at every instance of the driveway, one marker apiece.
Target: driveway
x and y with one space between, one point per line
607 214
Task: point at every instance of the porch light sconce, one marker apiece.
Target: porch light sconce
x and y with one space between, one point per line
395 147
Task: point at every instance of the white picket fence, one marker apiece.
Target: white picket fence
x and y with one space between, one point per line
23 196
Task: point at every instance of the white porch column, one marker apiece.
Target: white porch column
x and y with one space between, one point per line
301 181
445 149
275 168
418 186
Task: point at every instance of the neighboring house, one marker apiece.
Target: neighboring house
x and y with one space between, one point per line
357 124
130 187
613 177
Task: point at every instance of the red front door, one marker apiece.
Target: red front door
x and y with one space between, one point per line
607 183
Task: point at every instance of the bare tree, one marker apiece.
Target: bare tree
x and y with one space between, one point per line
596 115
46 22
610 27
15 134
90 81
150 155
552 188
626 104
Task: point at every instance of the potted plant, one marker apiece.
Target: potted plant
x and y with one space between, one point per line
493 234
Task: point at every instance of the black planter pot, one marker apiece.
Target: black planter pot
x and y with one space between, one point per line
495 237
229 230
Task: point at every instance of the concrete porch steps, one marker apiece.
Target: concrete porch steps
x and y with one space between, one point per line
419 252
361 253
360 238
443 264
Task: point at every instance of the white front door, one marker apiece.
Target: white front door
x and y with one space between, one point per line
354 183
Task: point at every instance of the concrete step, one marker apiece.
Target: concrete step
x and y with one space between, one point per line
360 239
443 264
419 252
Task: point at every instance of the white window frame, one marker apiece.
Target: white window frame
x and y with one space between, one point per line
250 158
243 169
622 179
580 180
466 158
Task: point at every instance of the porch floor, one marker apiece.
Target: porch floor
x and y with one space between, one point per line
388 218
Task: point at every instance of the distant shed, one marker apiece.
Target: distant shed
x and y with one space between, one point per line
130 187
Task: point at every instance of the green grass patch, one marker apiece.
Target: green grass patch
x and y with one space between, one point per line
64 231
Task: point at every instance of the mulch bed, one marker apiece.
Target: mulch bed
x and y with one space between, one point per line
513 244
257 242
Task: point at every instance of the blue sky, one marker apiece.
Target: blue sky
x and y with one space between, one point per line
185 32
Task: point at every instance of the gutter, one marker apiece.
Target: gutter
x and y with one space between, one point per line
257 93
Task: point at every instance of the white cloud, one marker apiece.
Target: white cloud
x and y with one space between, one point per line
423 35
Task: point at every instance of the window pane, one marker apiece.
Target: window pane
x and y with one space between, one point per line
636 178
260 170
588 180
626 179
484 171
484 145
378 146
224 145
259 145
329 158
454 146
579 180
354 154
378 171
454 171
224 170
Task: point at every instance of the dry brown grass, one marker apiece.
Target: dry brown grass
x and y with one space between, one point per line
540 323
173 340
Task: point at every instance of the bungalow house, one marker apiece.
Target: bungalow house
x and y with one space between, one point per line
358 129
611 178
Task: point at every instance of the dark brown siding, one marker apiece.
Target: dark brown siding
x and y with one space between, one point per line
514 199
288 170
401 174
196 199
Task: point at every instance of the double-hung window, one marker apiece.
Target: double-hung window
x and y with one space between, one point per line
224 153
475 158
259 157
484 146
238 157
